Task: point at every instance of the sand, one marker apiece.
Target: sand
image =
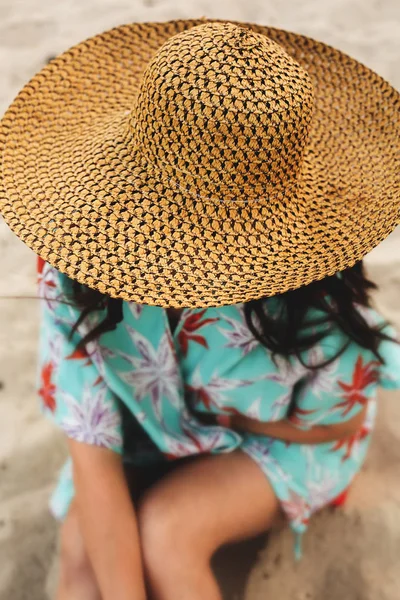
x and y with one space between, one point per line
350 554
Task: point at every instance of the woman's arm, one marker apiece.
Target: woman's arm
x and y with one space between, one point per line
73 391
108 521
285 430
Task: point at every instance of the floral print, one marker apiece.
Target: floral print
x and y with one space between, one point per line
47 283
363 376
154 373
353 444
193 323
213 363
238 334
320 380
214 393
47 388
92 419
297 509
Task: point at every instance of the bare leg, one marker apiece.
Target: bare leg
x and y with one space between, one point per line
189 514
77 579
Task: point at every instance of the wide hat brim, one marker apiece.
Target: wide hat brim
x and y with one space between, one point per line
70 190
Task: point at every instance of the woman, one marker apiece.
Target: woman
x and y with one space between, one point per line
242 187
305 462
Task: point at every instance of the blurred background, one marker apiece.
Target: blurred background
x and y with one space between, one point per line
351 554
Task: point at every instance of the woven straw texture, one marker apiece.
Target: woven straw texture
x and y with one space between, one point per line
201 163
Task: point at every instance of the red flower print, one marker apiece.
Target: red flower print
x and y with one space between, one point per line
363 376
214 392
79 354
201 396
190 434
40 266
341 499
47 284
47 389
178 448
350 442
82 354
192 323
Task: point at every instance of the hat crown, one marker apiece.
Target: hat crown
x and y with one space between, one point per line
224 112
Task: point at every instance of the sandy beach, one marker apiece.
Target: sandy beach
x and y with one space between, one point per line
349 554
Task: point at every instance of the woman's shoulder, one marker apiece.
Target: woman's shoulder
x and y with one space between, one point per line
51 281
355 355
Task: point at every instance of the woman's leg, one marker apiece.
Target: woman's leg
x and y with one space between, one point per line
77 579
189 514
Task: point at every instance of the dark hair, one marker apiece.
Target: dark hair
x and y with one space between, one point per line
288 332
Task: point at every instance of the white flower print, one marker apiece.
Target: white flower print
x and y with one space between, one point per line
197 438
254 410
135 309
207 437
320 380
255 319
214 392
280 405
368 314
202 441
322 491
287 373
155 372
297 509
178 447
56 343
98 353
262 450
64 321
48 287
92 420
320 482
94 350
239 335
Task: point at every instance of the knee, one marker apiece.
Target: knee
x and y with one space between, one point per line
158 530
74 561
166 536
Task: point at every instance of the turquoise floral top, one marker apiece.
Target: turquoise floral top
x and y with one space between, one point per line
213 362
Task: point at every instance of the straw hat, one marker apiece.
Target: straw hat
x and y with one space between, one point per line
201 163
